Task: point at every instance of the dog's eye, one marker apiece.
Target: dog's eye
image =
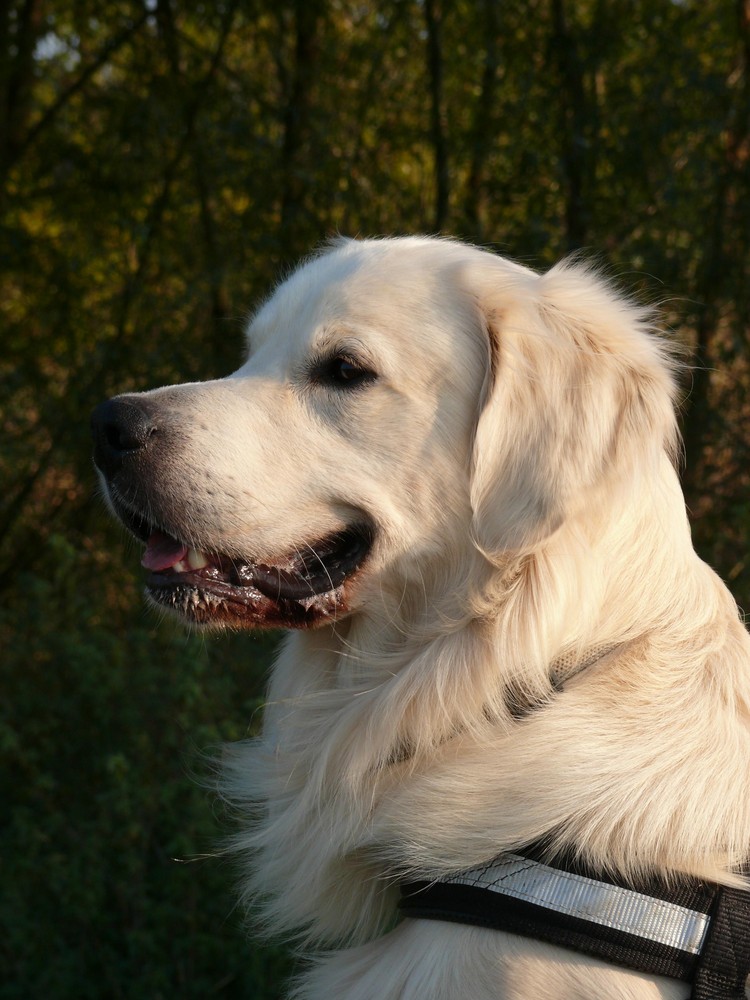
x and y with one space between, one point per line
343 372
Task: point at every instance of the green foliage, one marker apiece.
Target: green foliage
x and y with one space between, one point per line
161 164
113 880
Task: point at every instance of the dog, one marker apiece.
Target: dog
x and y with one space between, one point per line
453 481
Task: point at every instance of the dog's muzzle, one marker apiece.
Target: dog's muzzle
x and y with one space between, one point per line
137 447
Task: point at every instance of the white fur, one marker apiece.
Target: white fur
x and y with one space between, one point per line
515 455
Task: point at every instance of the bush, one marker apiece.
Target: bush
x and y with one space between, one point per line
112 880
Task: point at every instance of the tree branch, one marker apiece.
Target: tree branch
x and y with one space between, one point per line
54 109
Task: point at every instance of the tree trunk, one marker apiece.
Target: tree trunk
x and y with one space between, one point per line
297 127
482 131
574 140
433 18
16 78
699 418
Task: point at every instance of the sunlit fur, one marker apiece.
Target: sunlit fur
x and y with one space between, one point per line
536 516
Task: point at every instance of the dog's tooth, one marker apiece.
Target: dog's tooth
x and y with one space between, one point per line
196 559
180 567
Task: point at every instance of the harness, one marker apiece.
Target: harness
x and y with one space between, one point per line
683 928
690 930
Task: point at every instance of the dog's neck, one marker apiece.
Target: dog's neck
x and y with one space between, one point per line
601 582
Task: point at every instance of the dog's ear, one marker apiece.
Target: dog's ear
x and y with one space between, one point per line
580 390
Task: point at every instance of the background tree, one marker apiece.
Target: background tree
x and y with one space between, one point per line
162 163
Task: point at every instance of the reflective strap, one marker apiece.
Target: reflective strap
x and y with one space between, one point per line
690 930
587 899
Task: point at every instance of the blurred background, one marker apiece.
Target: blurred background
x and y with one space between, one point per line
162 164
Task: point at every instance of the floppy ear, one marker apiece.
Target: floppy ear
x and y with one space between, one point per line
580 391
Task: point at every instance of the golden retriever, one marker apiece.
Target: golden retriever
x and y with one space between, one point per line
452 478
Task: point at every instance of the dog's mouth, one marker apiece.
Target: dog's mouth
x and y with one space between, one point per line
299 590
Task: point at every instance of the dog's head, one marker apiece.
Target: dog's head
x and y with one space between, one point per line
403 402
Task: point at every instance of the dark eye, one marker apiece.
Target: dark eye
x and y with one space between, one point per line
344 372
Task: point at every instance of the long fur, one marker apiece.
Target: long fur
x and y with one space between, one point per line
517 459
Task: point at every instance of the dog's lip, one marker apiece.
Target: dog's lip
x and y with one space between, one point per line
320 568
313 569
298 590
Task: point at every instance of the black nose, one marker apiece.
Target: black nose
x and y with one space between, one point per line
123 429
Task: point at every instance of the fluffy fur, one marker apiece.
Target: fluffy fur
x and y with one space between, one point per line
515 456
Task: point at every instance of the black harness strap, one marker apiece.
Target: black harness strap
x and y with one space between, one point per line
724 964
693 931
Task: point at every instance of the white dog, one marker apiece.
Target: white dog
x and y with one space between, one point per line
453 478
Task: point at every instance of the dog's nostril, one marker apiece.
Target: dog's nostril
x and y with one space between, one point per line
128 437
122 427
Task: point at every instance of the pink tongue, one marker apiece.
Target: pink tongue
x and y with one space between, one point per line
162 551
